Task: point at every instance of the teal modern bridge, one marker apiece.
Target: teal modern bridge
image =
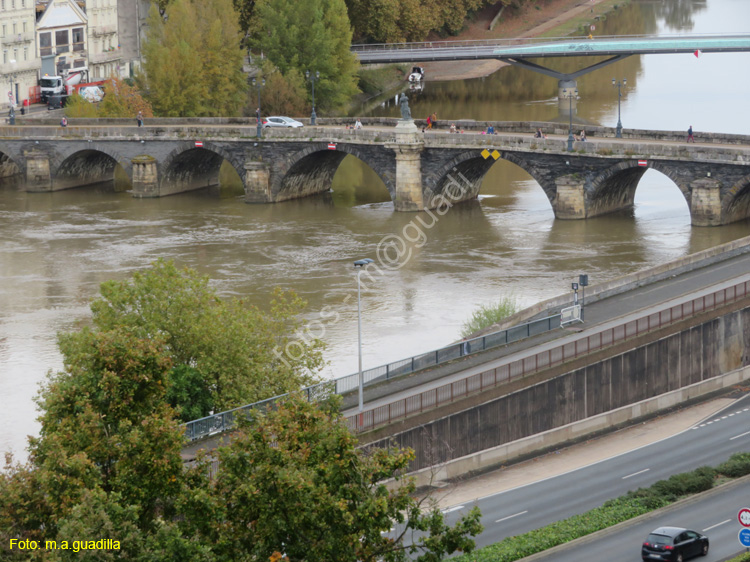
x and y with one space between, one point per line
518 51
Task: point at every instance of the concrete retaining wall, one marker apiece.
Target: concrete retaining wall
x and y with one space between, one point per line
657 374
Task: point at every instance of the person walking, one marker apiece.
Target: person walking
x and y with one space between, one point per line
139 118
433 120
257 115
690 134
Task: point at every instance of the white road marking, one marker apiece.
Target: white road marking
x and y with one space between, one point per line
454 508
636 473
512 516
714 526
738 436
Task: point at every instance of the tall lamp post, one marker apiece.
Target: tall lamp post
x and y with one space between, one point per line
620 84
11 94
570 93
259 84
312 77
360 264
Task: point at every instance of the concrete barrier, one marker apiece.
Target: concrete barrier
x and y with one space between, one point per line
507 452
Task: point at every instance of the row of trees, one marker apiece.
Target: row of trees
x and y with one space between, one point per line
291 484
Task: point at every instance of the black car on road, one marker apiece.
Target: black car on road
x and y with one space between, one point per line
674 543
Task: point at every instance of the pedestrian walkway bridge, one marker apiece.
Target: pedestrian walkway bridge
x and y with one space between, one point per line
518 51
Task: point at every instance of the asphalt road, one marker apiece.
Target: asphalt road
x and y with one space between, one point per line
536 505
715 516
599 315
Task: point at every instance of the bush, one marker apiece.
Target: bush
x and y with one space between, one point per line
487 315
737 465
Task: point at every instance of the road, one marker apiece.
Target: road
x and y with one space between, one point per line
715 516
540 503
599 315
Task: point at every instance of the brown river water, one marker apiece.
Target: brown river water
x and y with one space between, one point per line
55 249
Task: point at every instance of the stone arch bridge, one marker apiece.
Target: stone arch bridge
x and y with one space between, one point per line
420 170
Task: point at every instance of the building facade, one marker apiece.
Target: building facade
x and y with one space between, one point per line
19 66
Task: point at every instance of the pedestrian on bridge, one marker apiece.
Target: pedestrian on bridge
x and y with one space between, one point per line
433 120
63 122
690 134
139 118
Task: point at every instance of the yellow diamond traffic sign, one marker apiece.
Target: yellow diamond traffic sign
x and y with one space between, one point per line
495 154
485 154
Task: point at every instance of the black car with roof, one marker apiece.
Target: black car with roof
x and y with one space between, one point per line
674 543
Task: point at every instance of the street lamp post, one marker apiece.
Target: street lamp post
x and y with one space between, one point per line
312 77
620 84
11 99
259 84
360 264
570 94
583 281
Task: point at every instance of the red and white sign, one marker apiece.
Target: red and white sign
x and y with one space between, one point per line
198 144
744 517
698 53
331 146
643 163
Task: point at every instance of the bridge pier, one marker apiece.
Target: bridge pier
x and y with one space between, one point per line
38 177
257 183
705 202
570 202
567 105
145 177
408 148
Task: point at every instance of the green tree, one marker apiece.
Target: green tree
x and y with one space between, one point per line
282 94
193 60
78 106
312 35
243 353
294 481
123 100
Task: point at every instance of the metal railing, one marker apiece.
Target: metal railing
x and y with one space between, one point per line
480 382
223 421
514 42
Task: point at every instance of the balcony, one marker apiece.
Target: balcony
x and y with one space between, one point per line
106 56
103 30
15 38
19 66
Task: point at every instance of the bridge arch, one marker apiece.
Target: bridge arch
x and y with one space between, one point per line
735 204
615 187
460 178
189 167
311 169
10 163
85 166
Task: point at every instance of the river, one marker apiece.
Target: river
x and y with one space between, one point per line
55 249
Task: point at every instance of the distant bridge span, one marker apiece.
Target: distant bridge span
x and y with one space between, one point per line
518 51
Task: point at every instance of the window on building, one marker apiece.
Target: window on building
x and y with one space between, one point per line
45 43
3 30
15 54
78 39
62 41
25 53
14 29
24 27
2 5
13 4
5 56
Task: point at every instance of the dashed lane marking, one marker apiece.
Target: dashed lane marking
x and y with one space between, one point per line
636 473
512 516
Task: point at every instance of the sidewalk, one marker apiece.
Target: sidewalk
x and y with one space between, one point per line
577 456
